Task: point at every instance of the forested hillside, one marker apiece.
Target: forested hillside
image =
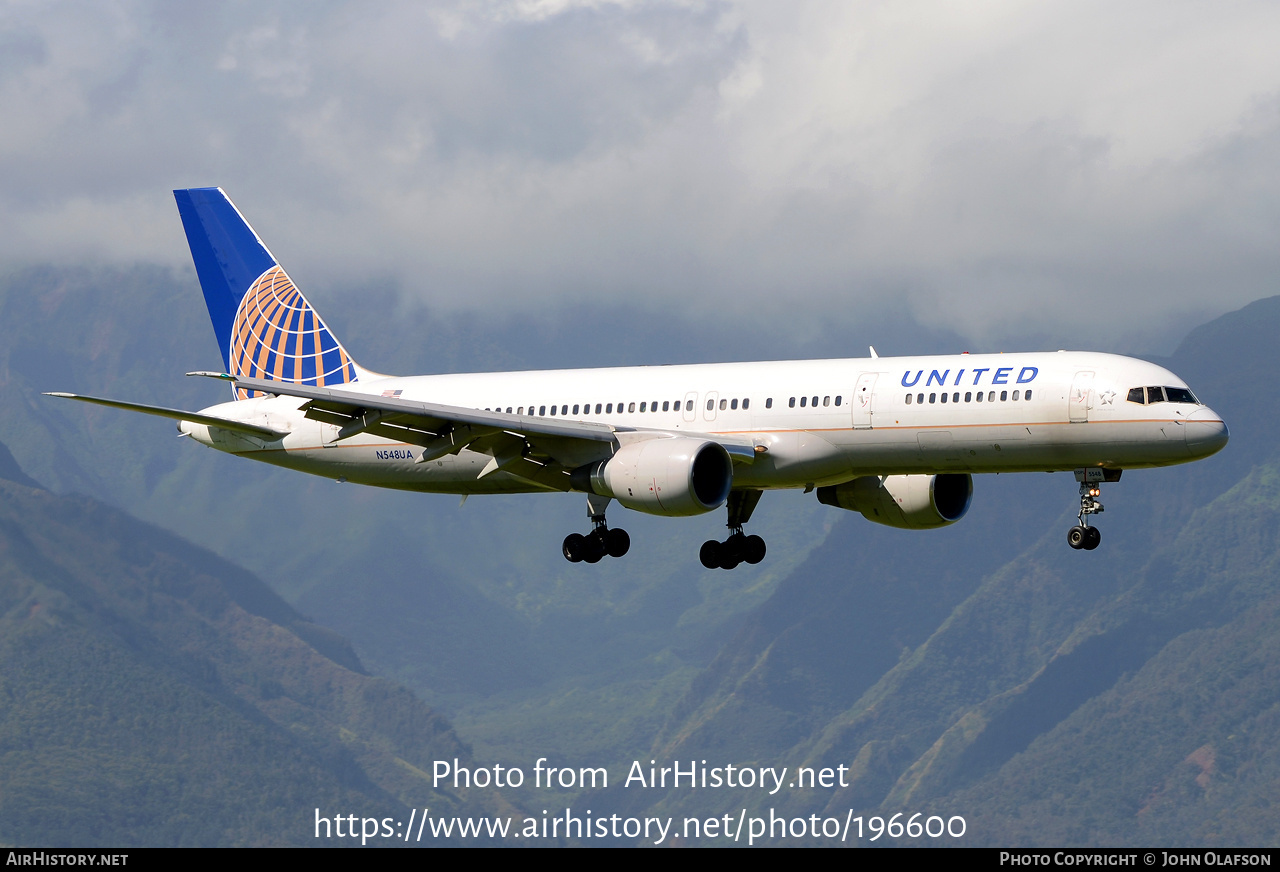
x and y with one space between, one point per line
154 694
1127 696
1121 696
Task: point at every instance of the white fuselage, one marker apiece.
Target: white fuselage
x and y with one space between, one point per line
814 422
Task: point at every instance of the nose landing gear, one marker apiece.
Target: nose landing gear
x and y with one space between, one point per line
1082 536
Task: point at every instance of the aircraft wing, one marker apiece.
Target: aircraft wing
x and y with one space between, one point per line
177 415
440 429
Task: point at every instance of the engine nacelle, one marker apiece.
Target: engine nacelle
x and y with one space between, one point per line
911 502
664 476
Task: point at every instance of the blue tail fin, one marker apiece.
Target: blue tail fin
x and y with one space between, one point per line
266 329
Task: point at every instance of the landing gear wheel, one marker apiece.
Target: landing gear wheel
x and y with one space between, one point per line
593 547
574 547
709 554
753 550
617 543
1092 536
1077 536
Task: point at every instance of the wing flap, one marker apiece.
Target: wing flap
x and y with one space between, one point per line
442 429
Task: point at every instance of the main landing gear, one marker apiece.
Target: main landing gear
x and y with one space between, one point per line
601 541
1082 536
738 548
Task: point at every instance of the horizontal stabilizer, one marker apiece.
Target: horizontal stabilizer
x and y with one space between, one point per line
177 415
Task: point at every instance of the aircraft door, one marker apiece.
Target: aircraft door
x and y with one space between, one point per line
691 406
864 400
709 405
1078 402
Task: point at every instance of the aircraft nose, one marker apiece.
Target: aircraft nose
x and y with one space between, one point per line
1206 432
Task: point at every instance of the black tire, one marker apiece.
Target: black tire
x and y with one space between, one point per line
593 549
617 543
753 550
709 554
730 562
1076 537
1093 536
732 550
573 547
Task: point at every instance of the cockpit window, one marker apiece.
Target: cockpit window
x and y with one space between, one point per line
1161 395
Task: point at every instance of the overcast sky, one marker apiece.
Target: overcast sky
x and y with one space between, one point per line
995 168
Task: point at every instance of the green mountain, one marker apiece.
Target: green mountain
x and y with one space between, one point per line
1121 696
1124 699
152 693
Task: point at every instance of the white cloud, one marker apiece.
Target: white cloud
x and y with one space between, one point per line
996 167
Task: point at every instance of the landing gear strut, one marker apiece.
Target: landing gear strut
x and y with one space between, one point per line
601 541
738 548
1082 536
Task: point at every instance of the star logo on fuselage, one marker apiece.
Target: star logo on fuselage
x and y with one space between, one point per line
1107 397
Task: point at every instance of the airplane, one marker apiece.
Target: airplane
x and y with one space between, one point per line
897 439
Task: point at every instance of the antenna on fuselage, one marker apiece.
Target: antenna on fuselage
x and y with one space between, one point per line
873 352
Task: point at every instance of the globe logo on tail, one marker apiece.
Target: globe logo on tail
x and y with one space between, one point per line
278 336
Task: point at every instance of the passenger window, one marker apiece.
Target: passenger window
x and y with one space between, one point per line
768 403
542 410
978 398
733 404
919 398
609 409
991 397
1004 395
1136 396
688 407
815 401
597 408
631 407
944 398
666 405
933 398
837 400
564 410
553 411
711 405
1027 395
804 401
642 407
955 398
826 401
746 403
908 399
520 411
1015 395
575 408
792 402
968 396
653 407
723 404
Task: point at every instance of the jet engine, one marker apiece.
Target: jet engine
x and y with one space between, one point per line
911 502
665 476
